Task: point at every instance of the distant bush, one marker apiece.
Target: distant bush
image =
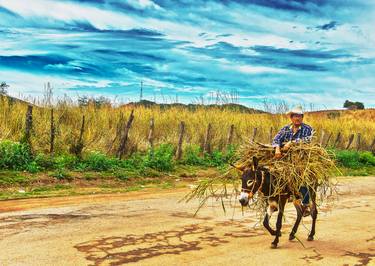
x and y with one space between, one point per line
357 105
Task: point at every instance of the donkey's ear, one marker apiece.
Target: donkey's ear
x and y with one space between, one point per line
255 162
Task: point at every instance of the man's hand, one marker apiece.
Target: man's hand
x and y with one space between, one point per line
287 146
278 153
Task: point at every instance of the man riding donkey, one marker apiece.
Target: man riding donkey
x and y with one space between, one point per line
297 131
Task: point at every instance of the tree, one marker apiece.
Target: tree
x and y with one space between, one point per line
353 105
97 102
4 88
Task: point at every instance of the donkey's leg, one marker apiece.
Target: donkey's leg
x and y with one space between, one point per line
314 215
266 224
266 220
282 202
299 209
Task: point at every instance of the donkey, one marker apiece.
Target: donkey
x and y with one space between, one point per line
257 179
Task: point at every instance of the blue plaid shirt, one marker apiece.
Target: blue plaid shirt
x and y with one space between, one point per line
304 133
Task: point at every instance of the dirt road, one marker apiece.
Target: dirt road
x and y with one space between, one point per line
152 228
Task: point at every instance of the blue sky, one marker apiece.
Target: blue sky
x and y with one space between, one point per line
318 52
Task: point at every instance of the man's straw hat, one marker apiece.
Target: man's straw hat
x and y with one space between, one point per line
296 110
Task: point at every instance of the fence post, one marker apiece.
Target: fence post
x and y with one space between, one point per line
271 135
180 140
124 139
372 146
230 135
351 137
80 140
328 139
150 137
77 147
322 137
358 144
337 140
52 134
207 139
28 124
255 130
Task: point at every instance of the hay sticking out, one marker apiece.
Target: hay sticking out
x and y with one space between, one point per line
304 164
219 188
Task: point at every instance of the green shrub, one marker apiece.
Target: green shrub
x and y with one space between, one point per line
230 154
191 155
65 161
14 155
161 158
134 162
354 159
216 158
97 161
33 167
44 161
367 158
348 159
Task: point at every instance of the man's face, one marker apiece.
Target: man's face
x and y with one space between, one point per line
296 119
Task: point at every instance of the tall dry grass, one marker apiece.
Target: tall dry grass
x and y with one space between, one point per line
102 125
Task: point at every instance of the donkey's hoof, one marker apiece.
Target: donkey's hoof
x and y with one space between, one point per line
291 237
310 238
273 245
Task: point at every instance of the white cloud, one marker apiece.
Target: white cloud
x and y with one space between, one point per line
31 84
66 11
259 69
142 4
249 69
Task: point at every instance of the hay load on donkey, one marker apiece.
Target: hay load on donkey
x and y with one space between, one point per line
293 167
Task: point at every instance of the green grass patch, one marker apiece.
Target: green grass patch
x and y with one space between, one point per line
354 159
13 178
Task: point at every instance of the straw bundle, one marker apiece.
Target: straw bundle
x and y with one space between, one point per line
304 164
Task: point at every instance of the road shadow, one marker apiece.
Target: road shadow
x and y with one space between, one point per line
364 258
118 250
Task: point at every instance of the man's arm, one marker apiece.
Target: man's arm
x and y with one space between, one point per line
277 141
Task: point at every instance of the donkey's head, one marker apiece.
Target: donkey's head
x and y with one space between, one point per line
251 182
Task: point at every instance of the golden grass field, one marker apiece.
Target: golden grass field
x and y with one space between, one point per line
102 125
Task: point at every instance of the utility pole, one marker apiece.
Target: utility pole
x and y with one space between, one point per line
141 95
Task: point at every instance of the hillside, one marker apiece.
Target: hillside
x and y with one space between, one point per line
192 107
